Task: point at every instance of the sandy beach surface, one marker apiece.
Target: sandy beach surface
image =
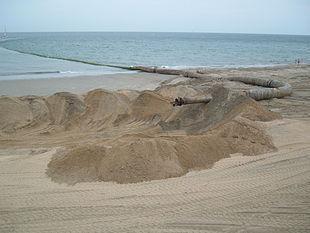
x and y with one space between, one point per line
127 161
81 84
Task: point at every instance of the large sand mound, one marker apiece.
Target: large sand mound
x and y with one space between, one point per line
135 158
185 138
9 120
149 105
65 108
224 107
103 108
213 131
19 113
98 110
127 161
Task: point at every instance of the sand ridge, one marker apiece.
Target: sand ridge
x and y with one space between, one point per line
187 138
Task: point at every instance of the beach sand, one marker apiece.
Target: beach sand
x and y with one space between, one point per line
81 84
263 188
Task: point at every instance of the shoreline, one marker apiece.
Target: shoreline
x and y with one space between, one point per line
135 80
82 84
119 69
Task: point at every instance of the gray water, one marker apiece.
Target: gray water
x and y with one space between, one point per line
79 53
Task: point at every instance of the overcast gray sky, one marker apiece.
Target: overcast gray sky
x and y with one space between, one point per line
241 16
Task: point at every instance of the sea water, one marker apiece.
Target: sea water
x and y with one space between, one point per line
39 55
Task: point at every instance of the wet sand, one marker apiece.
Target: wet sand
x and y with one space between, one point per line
81 84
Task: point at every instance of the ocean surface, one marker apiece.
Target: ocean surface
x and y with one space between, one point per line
46 55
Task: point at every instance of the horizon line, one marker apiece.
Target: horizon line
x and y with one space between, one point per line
195 32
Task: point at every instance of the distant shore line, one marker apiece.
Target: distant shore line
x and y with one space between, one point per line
134 67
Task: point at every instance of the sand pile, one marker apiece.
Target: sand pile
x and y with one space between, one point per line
130 160
106 109
150 106
64 109
213 131
185 138
136 158
103 108
224 107
29 112
97 110
19 113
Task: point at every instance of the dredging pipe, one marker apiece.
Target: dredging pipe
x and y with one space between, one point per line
274 88
167 71
184 101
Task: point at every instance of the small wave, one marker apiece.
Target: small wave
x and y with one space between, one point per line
30 73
